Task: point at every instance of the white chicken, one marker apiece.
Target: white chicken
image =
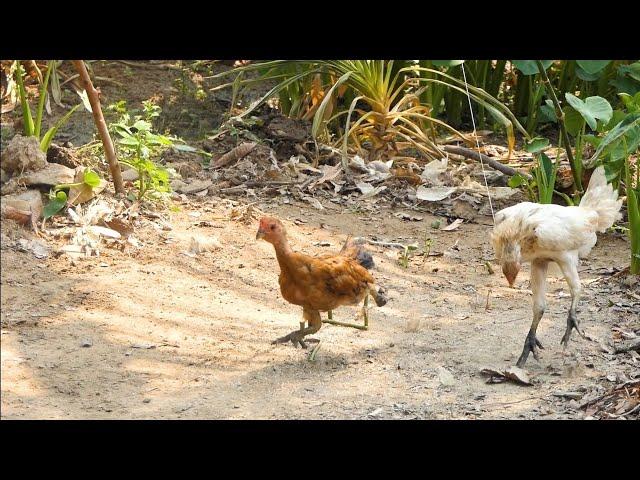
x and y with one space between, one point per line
543 233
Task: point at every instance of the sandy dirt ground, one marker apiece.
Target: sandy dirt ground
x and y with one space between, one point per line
153 333
167 335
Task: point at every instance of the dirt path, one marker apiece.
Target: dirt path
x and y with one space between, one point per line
210 320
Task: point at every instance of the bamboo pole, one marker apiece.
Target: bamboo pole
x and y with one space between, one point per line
109 151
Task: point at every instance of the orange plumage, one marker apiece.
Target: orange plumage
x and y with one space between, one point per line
319 284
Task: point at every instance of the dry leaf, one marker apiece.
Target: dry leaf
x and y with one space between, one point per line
434 194
456 223
515 374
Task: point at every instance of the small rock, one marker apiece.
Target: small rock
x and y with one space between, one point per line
74 251
39 249
24 208
86 343
200 244
177 185
130 175
63 155
52 174
445 376
376 412
23 154
146 400
569 395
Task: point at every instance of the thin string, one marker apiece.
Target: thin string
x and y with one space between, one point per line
473 121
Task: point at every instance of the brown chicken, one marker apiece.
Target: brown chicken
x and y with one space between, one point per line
319 284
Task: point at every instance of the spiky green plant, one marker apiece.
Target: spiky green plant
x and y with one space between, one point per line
385 107
31 127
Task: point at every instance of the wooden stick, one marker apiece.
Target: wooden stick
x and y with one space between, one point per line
386 244
109 151
633 344
468 153
163 66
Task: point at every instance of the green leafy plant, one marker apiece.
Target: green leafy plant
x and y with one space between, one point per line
529 91
57 201
58 197
589 77
138 144
138 141
32 128
519 84
405 254
614 150
545 171
627 79
541 184
593 112
619 137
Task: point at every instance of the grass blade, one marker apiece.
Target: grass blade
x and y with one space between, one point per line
41 100
319 116
26 111
48 137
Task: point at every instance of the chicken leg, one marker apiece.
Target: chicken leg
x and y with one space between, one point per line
297 337
570 272
379 295
538 287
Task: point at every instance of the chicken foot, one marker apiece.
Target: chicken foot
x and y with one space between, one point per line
538 287
297 337
570 271
572 322
530 345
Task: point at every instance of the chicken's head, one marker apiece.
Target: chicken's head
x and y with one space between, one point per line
510 270
270 229
509 257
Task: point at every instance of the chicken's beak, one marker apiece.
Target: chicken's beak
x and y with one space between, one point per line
260 234
510 270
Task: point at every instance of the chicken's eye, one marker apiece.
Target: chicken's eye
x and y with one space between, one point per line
273 227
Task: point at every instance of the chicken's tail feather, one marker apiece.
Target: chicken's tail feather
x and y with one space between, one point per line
379 294
354 248
601 197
